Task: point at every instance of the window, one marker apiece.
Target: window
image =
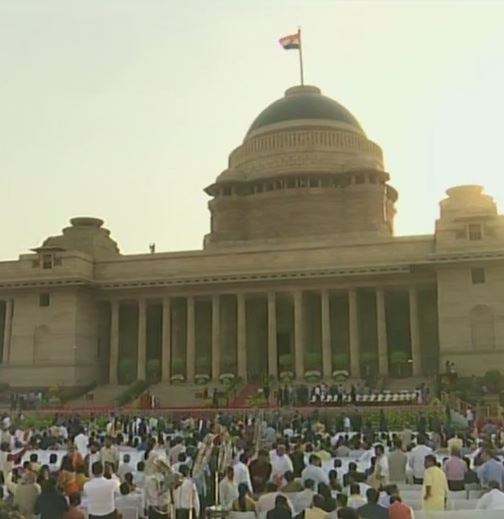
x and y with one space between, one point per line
478 276
359 179
44 299
475 231
226 191
47 261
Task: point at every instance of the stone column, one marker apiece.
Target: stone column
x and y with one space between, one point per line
7 331
142 340
166 341
241 332
298 334
326 334
272 336
381 324
416 355
114 342
191 340
353 317
216 338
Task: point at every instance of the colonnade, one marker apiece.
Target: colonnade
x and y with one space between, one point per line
354 342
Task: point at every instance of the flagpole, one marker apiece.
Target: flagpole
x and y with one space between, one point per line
300 57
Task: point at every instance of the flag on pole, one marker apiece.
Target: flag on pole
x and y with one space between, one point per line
292 41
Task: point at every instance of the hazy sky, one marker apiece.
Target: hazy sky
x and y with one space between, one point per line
127 109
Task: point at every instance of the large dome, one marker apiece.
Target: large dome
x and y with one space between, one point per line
308 104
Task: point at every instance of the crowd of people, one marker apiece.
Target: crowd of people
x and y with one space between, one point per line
278 467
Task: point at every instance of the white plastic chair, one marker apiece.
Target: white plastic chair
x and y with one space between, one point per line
128 513
242 515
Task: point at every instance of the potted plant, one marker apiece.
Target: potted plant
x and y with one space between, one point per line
399 360
153 370
340 361
313 361
127 371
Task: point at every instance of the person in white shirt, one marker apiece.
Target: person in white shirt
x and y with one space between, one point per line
493 499
280 463
314 471
417 459
100 494
228 490
186 496
129 499
355 500
242 474
381 472
81 442
125 467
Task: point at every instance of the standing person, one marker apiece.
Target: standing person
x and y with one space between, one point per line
109 454
455 469
51 504
435 486
297 458
186 496
26 494
490 470
397 461
241 472
417 459
228 490
381 471
100 493
260 471
281 463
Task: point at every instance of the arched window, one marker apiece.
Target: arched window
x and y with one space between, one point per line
482 328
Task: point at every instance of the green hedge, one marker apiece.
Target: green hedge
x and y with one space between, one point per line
132 392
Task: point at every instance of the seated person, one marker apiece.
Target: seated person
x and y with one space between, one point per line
353 475
281 510
243 503
292 484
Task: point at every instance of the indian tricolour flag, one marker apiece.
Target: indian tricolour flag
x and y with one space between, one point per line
292 41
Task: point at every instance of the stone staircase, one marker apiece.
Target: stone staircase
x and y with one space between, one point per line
183 395
102 396
245 395
410 383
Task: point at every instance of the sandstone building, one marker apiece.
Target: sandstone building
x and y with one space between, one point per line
300 272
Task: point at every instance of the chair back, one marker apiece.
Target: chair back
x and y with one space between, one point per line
128 513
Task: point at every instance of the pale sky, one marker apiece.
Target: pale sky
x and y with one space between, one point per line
127 109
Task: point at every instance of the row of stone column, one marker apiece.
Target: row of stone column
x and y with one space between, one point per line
7 331
354 340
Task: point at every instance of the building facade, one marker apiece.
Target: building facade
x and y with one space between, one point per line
300 272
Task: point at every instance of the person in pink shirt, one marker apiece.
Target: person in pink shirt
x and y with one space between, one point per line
455 470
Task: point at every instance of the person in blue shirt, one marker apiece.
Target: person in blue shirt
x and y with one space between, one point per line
491 470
